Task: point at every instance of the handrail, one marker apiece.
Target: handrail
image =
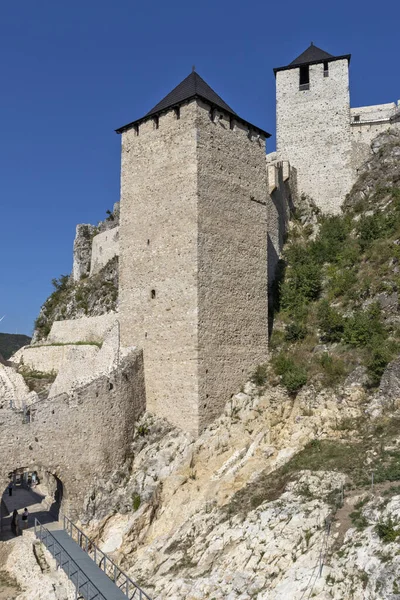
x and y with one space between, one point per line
104 562
57 551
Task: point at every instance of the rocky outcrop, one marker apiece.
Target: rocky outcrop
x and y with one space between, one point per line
382 169
89 297
82 251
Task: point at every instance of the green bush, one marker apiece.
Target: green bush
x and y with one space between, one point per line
386 530
293 375
330 323
260 375
363 326
136 502
377 363
295 331
331 239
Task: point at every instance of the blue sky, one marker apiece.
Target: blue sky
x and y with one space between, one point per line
72 72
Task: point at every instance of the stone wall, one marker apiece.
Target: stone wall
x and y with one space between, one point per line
366 123
48 358
193 270
313 132
105 246
158 260
232 258
279 202
85 329
80 437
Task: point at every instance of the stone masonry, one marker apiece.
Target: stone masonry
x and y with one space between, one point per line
325 141
193 263
77 437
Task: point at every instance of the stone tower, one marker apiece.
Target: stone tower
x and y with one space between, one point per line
313 125
193 251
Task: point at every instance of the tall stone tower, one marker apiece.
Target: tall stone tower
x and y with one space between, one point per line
193 251
313 125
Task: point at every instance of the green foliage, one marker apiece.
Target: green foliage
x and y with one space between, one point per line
136 501
380 356
11 342
303 280
332 235
363 326
295 331
357 518
330 322
387 531
293 375
143 430
334 369
260 375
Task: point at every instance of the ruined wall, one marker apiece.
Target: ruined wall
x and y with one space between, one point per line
232 258
366 122
105 246
85 329
158 260
280 179
313 132
79 437
48 358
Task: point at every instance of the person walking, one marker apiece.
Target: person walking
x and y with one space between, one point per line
25 516
15 528
10 488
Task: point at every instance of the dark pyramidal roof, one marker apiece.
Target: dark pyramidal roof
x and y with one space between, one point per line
311 56
193 86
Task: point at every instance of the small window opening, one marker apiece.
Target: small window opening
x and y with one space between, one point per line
326 68
148 242
177 112
212 115
153 294
231 123
136 128
156 122
305 78
356 118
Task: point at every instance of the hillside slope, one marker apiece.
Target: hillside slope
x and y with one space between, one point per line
11 342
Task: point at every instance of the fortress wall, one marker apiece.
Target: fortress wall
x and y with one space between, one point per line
79 437
83 364
373 120
279 201
313 132
49 358
85 329
158 260
105 246
232 258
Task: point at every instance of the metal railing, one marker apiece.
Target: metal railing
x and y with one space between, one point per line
104 562
84 588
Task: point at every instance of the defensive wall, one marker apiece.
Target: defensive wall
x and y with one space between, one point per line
105 246
85 329
77 437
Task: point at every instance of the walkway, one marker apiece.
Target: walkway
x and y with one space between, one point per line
93 582
90 570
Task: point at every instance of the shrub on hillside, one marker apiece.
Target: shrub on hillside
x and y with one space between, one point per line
363 326
330 322
293 375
